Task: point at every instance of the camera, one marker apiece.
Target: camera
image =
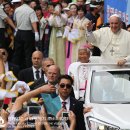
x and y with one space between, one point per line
34 112
65 116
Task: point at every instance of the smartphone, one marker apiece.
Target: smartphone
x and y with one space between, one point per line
65 114
33 110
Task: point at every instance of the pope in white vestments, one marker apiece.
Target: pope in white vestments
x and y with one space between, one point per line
113 42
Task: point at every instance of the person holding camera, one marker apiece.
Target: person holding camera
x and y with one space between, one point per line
18 104
40 123
70 115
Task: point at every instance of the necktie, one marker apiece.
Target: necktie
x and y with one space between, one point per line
64 105
37 74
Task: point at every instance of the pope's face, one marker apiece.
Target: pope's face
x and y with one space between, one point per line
115 24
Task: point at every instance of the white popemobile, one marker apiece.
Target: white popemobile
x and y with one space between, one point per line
108 92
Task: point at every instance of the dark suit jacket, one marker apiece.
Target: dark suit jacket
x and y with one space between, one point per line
77 107
14 68
38 83
26 75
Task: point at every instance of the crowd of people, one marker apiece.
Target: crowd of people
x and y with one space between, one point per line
57 29
42 43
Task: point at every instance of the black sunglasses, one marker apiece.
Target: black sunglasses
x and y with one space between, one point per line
68 86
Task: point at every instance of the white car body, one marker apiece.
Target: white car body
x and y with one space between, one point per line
110 112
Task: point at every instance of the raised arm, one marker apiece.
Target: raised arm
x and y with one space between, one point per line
20 100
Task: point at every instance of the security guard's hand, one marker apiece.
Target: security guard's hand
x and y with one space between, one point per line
36 36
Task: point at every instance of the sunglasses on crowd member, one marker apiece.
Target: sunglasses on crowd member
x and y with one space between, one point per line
68 86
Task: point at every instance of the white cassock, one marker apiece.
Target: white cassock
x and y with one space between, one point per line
80 76
114 46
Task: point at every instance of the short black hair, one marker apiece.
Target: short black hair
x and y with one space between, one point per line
37 7
82 8
128 26
27 1
20 112
65 77
58 3
7 3
124 25
51 4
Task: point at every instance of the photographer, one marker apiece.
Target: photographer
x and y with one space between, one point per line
24 98
71 117
40 123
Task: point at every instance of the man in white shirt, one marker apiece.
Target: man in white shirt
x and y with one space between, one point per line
113 42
